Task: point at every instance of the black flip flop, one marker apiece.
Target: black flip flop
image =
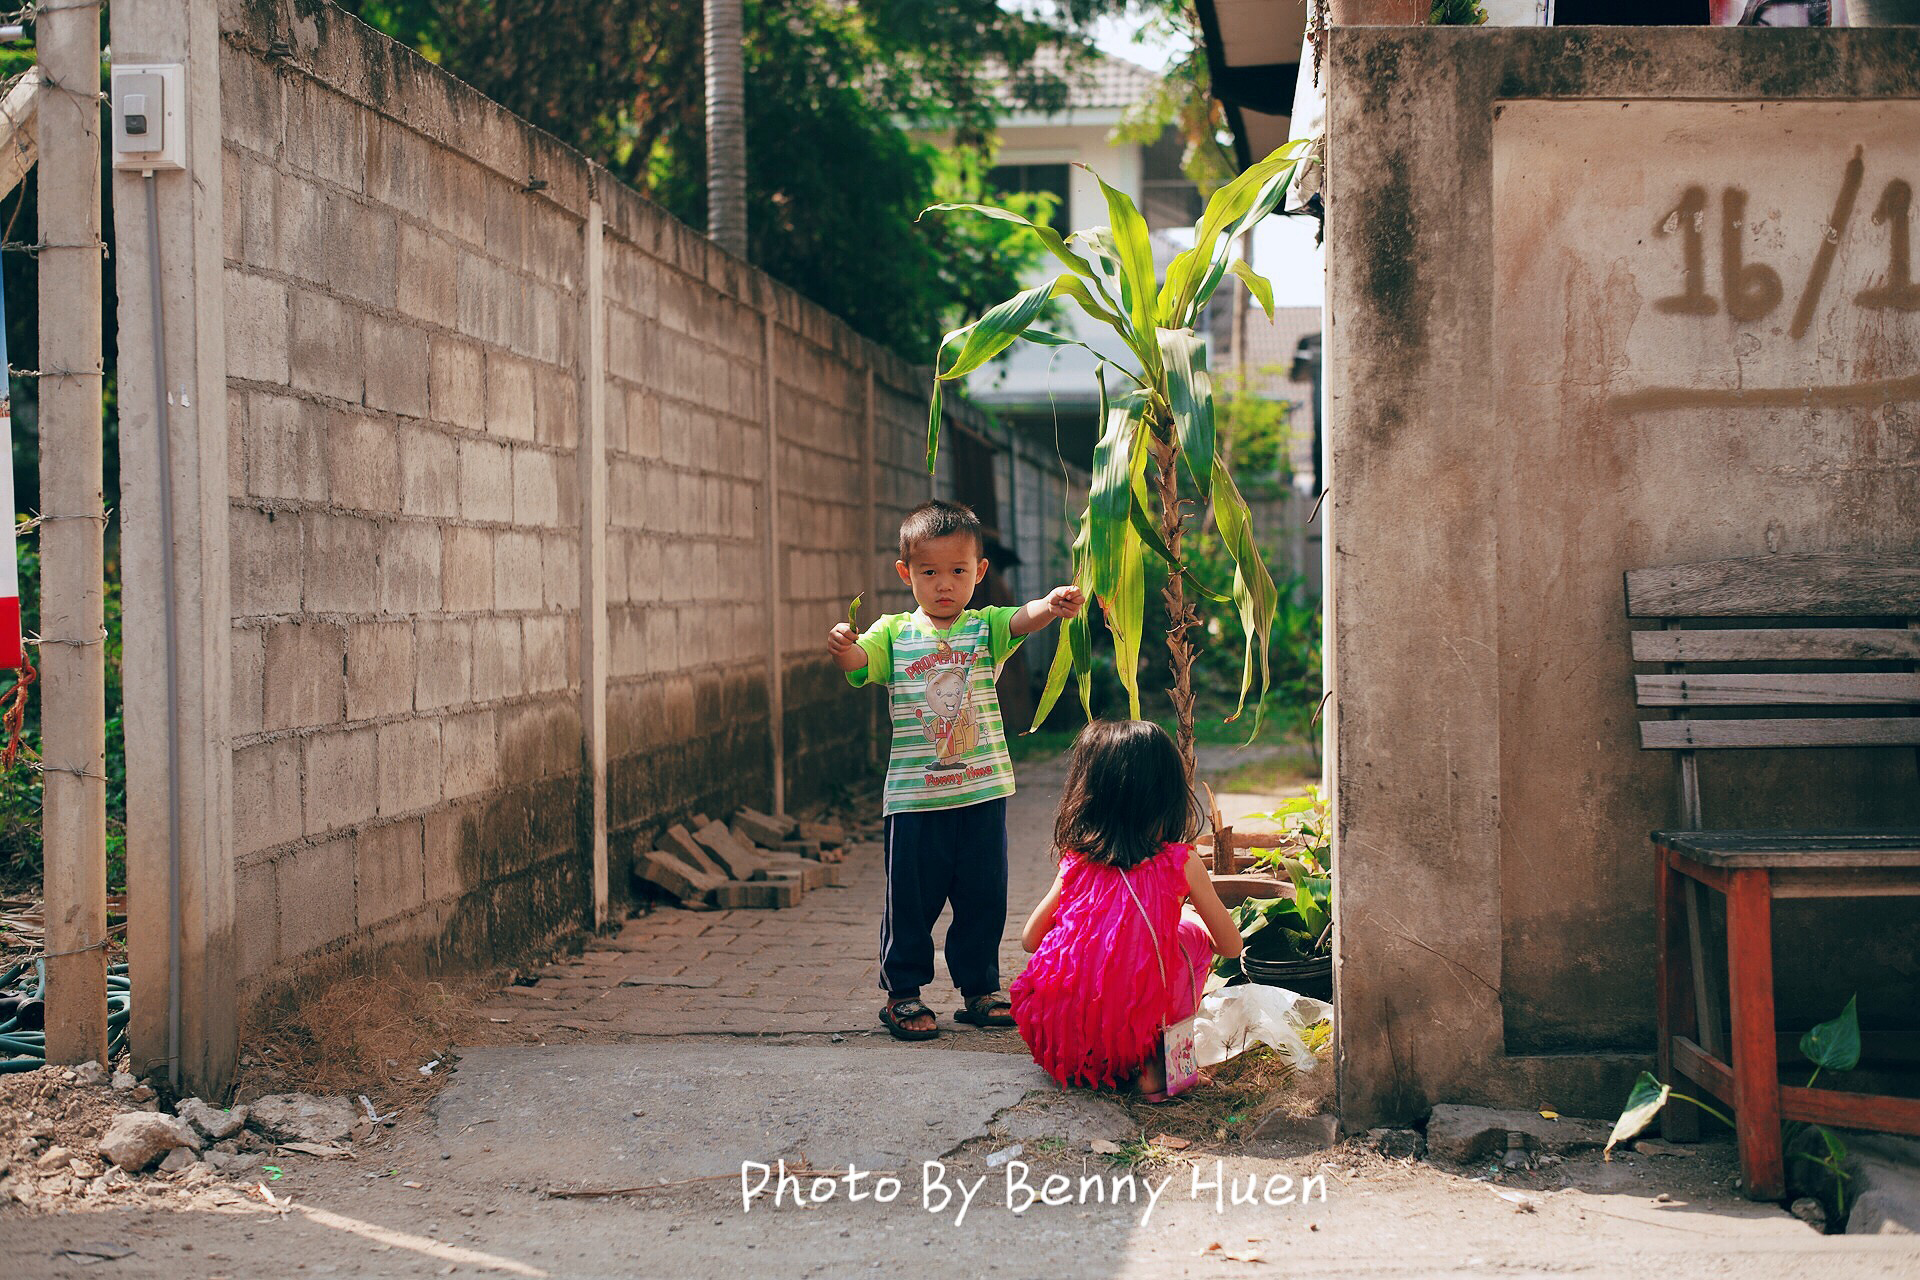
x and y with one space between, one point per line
896 1013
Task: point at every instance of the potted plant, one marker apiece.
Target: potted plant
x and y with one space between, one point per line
1289 938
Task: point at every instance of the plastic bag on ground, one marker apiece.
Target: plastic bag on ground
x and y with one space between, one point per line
1232 1020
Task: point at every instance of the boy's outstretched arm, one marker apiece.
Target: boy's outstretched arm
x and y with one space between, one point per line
843 646
1061 602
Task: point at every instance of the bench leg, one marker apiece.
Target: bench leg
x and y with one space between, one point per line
1680 1121
1756 1067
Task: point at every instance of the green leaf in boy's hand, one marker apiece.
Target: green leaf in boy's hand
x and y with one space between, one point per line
1835 1045
853 612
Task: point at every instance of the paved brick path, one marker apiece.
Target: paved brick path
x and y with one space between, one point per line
812 968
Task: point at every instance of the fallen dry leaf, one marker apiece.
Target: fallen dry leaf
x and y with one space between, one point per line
1101 1147
1170 1142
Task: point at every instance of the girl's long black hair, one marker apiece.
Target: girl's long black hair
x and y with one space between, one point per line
1126 795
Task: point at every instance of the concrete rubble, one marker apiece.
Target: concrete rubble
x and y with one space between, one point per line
136 1139
69 1135
758 860
302 1117
212 1121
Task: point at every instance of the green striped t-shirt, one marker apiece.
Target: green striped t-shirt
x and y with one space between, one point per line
949 746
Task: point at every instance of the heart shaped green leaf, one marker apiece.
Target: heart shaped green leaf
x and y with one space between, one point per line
1835 1045
1643 1104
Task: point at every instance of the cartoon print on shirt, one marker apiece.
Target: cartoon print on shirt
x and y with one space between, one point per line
952 727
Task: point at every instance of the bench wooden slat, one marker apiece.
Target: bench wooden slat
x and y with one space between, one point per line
1683 735
1779 644
1859 688
1812 585
1803 850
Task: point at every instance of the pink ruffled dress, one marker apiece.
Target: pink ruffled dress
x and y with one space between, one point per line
1091 1002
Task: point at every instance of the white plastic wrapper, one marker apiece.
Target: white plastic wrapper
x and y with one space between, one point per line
1232 1020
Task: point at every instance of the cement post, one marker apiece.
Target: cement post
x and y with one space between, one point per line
73 714
593 547
776 581
192 304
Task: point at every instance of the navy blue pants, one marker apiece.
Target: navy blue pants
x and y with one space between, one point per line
935 857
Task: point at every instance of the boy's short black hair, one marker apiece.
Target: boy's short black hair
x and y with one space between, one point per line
938 519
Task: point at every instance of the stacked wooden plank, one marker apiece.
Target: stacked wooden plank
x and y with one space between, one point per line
759 860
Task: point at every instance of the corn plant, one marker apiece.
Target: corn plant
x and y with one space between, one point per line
1157 464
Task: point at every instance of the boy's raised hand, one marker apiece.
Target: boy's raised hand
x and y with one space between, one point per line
1066 602
841 639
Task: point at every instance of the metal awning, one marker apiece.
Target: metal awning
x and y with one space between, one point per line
1253 56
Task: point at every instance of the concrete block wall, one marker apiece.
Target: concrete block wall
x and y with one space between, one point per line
409 378
402 415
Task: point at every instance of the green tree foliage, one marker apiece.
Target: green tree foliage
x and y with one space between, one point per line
834 182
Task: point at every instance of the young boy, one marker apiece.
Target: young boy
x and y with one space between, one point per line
949 775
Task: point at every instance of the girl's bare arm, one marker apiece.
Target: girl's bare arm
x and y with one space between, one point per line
1226 935
1042 918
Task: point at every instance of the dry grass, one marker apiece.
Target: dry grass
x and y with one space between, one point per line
353 1033
1245 1092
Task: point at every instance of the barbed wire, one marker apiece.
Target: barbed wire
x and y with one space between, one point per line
101 945
57 373
40 766
36 519
75 644
31 11
34 249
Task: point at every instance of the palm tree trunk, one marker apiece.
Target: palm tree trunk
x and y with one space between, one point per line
726 127
1180 614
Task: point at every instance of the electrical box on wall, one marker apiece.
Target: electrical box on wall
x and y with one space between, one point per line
149 116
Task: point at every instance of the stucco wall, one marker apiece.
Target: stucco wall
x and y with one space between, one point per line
1507 439
418 558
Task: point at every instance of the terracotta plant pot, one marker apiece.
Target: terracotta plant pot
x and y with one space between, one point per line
1236 889
1380 13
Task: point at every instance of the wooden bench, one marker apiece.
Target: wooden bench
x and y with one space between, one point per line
1828 614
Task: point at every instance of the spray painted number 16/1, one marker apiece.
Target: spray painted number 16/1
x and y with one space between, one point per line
1751 290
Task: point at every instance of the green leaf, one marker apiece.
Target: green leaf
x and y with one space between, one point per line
1110 277
1190 396
1068 287
1125 606
1250 197
986 338
1253 591
853 612
1111 493
1258 285
1073 655
934 417
1835 1045
1643 1104
1048 236
993 332
1134 249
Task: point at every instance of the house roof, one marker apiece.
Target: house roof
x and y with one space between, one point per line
1093 81
1253 57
